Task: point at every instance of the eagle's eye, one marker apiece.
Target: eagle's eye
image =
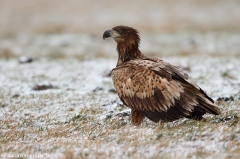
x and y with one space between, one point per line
118 30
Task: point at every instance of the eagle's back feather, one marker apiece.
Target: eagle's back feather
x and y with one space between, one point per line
160 91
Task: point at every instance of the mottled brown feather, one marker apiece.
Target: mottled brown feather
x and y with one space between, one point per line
144 85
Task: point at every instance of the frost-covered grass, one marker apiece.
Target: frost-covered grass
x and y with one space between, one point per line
81 117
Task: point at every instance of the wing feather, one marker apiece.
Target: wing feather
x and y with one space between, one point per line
159 90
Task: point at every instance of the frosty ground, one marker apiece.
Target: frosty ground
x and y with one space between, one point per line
81 116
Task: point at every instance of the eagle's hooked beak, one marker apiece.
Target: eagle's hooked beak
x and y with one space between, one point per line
107 34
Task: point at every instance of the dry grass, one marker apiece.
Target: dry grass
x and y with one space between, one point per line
84 135
65 123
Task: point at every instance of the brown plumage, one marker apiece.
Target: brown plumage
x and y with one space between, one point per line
152 87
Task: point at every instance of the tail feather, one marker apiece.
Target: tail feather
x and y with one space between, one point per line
205 103
209 107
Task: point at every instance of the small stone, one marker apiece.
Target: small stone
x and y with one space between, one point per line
110 103
112 90
40 87
97 89
25 59
15 95
123 114
225 99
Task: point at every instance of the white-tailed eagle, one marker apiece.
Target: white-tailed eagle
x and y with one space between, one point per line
152 87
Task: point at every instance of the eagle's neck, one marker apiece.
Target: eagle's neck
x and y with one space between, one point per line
127 52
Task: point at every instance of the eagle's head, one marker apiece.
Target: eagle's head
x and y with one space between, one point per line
127 40
123 34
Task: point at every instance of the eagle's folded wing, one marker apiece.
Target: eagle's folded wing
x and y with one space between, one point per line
160 91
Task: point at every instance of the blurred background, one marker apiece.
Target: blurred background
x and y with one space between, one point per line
74 28
92 17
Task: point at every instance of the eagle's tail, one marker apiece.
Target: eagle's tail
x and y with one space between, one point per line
204 103
209 107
